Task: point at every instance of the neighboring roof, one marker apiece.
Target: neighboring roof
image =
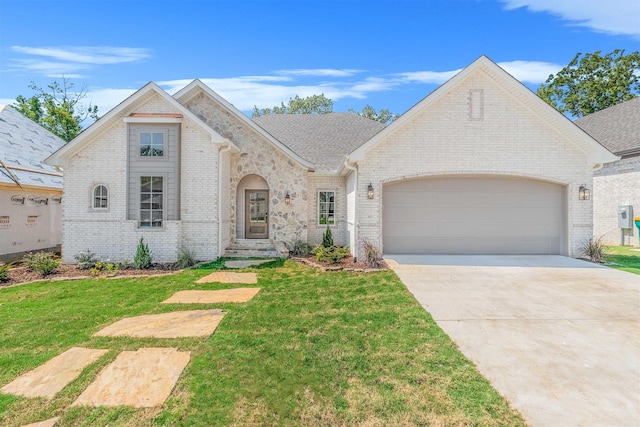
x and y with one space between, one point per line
595 152
323 139
24 144
186 93
60 157
617 127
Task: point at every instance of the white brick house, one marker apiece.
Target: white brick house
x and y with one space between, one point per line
481 165
617 183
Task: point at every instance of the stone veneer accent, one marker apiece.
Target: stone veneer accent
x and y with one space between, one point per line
616 184
259 157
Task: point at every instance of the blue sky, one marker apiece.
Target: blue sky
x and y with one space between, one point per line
389 54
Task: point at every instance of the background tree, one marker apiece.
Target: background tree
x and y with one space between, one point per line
58 110
592 82
314 104
383 116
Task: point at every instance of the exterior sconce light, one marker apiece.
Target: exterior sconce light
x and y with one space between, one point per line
584 193
370 192
287 198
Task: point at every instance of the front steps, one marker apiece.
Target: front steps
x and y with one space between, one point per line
256 248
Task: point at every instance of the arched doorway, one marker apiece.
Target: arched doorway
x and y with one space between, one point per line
252 213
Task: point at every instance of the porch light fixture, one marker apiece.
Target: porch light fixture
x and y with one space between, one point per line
370 192
287 198
584 193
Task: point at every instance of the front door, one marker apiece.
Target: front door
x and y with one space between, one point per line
256 222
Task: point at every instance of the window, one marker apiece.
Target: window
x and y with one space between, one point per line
152 144
151 201
100 197
326 207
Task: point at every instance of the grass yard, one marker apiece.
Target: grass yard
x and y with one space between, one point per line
312 348
625 258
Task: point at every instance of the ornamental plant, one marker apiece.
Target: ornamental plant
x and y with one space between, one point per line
143 258
327 238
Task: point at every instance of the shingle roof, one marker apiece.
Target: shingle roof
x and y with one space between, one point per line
323 139
617 127
23 145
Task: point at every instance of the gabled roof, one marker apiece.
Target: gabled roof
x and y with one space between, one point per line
60 157
323 139
617 127
24 144
188 92
594 151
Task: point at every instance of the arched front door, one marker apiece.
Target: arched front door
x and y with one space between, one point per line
252 208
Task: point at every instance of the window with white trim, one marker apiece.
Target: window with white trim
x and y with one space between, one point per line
151 201
326 207
100 197
151 144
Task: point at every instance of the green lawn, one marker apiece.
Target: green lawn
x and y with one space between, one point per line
625 258
312 348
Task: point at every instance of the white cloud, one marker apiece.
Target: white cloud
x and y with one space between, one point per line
107 98
612 16
87 54
530 71
67 61
428 77
320 72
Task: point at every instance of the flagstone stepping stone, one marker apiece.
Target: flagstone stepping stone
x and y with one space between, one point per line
230 277
212 297
177 324
51 377
47 423
244 263
142 379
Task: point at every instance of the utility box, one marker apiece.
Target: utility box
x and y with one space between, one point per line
625 216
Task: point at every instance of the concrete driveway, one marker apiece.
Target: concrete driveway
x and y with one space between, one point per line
559 337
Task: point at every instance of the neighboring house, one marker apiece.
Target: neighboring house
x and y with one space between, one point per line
480 166
30 191
617 183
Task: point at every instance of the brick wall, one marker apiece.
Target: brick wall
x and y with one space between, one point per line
445 139
616 184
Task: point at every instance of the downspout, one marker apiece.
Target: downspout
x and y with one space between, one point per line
221 150
355 246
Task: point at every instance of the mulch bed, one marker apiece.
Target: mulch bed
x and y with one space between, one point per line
20 275
345 264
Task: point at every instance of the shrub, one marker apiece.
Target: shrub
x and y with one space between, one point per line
44 263
86 259
331 254
327 238
110 268
186 258
143 258
301 248
593 250
372 258
4 271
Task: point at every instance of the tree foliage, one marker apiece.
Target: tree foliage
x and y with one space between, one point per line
58 110
383 116
592 82
314 104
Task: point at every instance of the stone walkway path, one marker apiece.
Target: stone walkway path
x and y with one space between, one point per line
237 295
146 377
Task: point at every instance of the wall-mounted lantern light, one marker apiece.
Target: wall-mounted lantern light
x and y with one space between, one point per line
584 193
370 192
287 198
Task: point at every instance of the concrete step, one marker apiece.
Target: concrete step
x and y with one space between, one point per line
250 248
251 253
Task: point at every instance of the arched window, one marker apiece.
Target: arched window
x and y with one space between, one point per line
100 197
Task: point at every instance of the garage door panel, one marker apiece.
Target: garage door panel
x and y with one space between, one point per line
469 215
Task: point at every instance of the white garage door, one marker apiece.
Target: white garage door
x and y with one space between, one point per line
473 215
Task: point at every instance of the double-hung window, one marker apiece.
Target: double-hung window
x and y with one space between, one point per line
152 144
151 201
326 207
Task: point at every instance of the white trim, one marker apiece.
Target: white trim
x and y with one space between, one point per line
152 120
335 204
92 204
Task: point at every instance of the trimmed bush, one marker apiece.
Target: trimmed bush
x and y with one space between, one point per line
186 258
301 248
86 259
327 238
143 258
332 254
44 263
